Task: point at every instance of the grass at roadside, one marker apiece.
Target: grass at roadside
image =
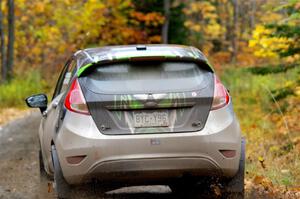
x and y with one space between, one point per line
13 93
268 108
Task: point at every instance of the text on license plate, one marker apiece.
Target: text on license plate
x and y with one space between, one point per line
150 119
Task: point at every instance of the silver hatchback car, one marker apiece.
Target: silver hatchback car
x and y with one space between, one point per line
141 114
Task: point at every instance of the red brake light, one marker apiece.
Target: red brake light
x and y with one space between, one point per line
221 97
75 100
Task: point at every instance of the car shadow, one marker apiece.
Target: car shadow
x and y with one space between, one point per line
157 192
157 196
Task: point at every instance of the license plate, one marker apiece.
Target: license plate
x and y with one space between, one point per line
150 119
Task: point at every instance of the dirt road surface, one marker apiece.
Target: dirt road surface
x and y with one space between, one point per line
20 176
19 166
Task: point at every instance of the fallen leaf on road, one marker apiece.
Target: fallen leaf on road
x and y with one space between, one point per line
216 189
260 180
50 187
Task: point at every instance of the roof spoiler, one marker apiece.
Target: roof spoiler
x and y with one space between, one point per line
82 70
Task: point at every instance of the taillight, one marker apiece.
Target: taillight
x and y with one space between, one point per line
221 97
75 100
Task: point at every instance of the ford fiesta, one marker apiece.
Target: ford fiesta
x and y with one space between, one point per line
140 114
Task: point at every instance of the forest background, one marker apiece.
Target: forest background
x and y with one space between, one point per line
254 46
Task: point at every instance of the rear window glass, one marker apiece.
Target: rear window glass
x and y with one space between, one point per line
146 77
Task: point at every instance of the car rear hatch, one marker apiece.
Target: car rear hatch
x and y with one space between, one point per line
148 97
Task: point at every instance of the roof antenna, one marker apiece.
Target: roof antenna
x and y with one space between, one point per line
141 47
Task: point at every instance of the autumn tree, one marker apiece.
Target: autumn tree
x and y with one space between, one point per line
46 32
49 31
178 32
148 19
281 37
11 37
289 28
202 22
2 46
165 21
234 35
7 56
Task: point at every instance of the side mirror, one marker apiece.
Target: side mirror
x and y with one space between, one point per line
37 101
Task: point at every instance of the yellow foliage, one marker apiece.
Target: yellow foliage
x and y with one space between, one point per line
266 45
202 20
40 7
213 30
297 90
48 31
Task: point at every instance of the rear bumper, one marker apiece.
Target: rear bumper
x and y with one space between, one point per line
148 157
152 169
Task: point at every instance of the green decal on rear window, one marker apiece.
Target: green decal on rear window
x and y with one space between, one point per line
211 67
82 69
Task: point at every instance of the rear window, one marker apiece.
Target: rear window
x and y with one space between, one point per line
146 77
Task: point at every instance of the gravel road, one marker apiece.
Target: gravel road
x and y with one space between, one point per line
19 166
20 176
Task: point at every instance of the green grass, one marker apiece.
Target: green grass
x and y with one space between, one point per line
262 121
13 93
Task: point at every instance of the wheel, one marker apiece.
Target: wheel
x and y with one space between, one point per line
234 189
64 190
46 181
43 174
61 186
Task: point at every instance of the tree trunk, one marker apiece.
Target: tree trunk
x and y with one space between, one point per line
2 47
234 39
252 16
228 25
165 28
222 21
11 36
243 18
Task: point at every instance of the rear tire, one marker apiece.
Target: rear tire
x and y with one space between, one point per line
234 189
43 174
63 189
61 186
41 163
